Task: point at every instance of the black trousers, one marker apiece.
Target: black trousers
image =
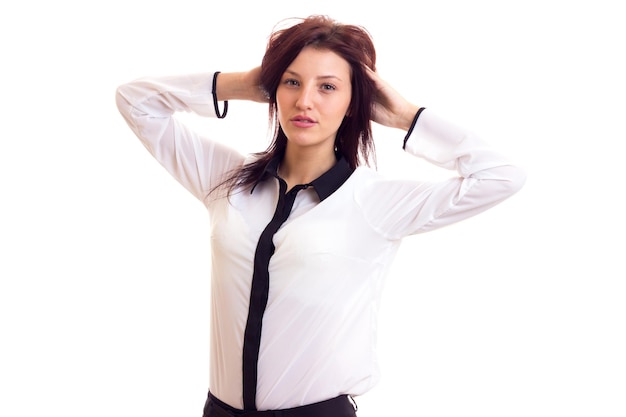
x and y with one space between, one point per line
341 406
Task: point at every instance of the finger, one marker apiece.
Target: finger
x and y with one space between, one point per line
371 73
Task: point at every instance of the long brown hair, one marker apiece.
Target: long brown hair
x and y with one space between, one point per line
354 44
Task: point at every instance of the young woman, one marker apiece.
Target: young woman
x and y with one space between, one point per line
304 232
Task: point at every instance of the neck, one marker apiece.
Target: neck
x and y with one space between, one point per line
302 166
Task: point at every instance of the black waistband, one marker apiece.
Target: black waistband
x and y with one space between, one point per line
341 406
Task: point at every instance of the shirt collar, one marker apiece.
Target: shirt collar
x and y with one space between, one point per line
324 185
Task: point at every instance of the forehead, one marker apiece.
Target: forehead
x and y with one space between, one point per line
319 62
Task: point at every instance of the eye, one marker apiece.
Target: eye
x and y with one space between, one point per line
291 82
328 87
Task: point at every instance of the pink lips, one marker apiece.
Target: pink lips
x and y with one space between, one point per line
302 121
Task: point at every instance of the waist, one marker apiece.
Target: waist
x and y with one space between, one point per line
341 406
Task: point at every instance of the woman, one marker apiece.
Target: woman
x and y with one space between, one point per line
303 233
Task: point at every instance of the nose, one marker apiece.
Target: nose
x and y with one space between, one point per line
305 98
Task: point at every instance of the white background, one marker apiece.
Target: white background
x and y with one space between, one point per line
104 258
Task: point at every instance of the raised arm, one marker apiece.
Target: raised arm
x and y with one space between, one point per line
390 108
484 176
149 106
240 86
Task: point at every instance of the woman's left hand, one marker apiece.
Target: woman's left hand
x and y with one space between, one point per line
390 108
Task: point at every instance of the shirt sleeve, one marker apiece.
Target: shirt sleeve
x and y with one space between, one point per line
149 105
397 208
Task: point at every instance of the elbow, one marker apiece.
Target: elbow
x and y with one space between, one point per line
517 178
512 179
124 103
120 99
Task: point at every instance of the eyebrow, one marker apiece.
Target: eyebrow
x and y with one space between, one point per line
321 77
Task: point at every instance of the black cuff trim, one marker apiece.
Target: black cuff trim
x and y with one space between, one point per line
417 115
215 104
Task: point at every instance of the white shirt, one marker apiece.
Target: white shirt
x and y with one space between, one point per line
332 253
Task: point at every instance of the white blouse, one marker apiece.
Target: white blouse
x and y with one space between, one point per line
331 254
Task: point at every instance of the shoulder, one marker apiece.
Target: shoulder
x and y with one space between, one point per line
364 175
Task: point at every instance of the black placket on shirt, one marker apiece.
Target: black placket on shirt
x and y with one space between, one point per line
324 186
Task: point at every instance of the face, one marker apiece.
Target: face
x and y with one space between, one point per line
313 98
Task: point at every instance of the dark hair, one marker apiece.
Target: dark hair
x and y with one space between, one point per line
354 44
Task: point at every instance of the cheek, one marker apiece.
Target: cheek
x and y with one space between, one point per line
281 103
280 115
279 108
344 106
342 109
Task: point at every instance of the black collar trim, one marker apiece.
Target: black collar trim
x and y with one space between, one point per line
324 185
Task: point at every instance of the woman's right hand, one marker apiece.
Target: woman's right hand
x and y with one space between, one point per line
241 86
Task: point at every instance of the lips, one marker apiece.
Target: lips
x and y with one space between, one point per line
302 121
